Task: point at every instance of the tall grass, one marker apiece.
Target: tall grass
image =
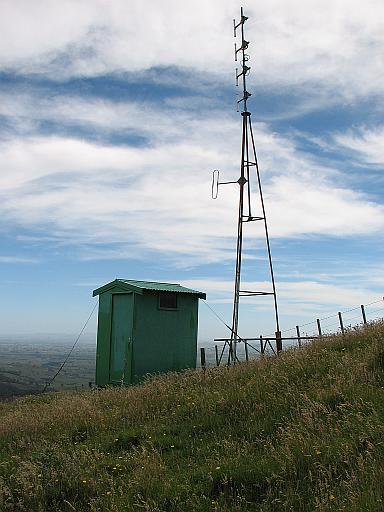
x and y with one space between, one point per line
301 432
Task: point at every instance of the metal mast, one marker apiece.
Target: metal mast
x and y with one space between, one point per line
248 169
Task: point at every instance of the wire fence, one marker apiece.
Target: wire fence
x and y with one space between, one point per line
252 348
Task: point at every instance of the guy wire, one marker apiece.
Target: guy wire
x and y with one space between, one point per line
70 352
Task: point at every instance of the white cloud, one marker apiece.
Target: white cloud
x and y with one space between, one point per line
367 143
157 197
111 201
17 259
333 45
102 116
300 302
297 294
24 161
324 209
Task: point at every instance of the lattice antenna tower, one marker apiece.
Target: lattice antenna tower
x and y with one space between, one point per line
248 169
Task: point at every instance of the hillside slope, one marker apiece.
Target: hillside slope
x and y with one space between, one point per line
300 432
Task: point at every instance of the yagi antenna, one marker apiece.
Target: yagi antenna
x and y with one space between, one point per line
216 183
249 179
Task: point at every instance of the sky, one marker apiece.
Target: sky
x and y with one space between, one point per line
113 115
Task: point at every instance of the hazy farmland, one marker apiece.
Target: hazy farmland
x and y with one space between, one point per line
27 363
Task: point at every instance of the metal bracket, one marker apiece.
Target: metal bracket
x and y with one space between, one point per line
243 19
244 46
216 183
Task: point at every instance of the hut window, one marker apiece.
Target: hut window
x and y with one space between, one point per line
167 300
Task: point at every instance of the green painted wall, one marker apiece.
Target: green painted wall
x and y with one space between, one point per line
135 337
120 360
105 334
164 340
103 337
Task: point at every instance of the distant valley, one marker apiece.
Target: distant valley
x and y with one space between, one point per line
27 364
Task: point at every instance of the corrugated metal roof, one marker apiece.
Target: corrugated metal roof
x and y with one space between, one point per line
149 285
163 287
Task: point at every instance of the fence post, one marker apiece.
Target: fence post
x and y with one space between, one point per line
261 345
246 350
217 355
279 343
202 357
298 335
341 322
363 313
319 327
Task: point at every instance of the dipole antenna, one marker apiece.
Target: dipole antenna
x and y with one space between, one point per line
248 169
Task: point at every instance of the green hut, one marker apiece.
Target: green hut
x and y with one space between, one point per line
144 327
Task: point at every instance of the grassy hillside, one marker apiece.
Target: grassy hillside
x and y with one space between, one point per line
302 432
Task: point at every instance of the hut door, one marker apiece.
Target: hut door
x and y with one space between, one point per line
121 338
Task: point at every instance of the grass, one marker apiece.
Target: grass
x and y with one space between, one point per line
301 432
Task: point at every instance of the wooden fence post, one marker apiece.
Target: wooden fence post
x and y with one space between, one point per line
217 355
363 313
298 335
246 351
202 357
319 327
261 345
279 342
341 322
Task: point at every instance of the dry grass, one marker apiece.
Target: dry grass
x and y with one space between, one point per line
302 432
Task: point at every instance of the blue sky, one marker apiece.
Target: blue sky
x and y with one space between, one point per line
114 114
